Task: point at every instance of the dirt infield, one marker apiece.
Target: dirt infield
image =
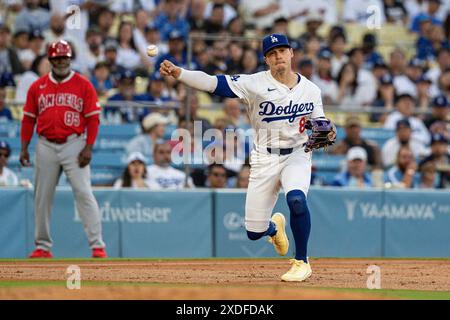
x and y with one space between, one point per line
218 278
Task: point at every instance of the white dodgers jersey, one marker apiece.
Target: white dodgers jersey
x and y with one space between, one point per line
277 113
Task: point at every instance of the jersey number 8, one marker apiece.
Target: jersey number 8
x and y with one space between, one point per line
302 123
71 118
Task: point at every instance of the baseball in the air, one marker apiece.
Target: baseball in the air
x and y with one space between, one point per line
152 50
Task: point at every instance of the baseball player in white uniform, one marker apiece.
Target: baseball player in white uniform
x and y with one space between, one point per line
280 103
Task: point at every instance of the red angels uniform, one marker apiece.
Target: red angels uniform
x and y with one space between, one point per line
62 109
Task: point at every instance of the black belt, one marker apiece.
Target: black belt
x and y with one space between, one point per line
281 152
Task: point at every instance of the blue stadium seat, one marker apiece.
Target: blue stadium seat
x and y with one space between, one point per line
105 176
9 129
124 131
108 159
379 135
328 162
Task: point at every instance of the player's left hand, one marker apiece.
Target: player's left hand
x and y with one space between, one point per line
323 134
85 156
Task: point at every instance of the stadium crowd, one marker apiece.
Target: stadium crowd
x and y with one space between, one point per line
403 87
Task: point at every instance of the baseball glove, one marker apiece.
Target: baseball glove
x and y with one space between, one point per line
323 134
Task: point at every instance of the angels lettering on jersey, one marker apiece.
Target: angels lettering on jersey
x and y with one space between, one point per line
71 100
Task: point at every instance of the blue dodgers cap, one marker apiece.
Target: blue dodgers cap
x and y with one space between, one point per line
438 138
386 79
440 102
127 74
324 54
275 40
5 145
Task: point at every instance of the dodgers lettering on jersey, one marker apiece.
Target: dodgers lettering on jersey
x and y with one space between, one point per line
277 113
61 109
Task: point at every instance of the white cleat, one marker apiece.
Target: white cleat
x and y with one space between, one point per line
280 240
300 271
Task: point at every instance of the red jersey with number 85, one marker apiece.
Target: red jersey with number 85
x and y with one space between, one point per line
61 108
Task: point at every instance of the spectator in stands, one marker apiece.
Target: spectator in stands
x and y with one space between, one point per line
365 79
9 61
306 68
195 118
234 114
353 139
161 175
406 83
7 177
443 63
356 174
444 83
94 52
111 59
170 19
217 63
430 15
105 22
313 21
281 26
20 45
404 104
153 126
404 173
349 94
196 14
32 17
5 113
215 22
371 56
440 157
101 79
127 54
423 86
234 59
311 48
439 114
397 62
176 54
324 80
429 178
39 67
357 11
236 26
127 92
229 10
385 98
395 12
428 45
243 177
260 14
338 58
135 174
36 43
217 176
141 18
402 138
249 62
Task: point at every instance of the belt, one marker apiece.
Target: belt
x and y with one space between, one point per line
61 141
283 152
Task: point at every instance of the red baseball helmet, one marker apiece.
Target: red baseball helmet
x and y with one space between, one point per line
59 48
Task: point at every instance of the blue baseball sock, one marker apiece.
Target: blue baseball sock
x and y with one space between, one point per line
300 222
257 235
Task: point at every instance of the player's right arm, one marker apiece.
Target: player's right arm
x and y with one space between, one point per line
219 85
30 112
